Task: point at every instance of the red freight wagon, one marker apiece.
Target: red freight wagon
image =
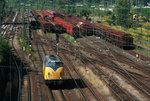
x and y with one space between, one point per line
48 14
71 29
58 14
55 26
118 38
44 24
36 14
85 28
73 24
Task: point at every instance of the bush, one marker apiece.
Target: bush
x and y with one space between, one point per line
5 51
146 26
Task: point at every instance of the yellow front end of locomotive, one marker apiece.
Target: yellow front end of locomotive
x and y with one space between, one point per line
52 74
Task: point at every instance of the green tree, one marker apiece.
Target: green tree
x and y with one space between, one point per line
122 11
2 5
4 51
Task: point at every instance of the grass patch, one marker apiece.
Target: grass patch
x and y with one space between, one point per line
23 41
53 35
70 38
5 51
143 52
143 43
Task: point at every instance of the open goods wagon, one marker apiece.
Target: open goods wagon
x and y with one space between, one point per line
44 24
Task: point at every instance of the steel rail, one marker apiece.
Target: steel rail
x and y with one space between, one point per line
63 96
133 79
13 29
100 71
81 78
37 47
54 49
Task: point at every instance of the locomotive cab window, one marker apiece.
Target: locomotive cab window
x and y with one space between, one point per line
54 64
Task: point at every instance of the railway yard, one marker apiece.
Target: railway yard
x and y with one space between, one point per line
95 69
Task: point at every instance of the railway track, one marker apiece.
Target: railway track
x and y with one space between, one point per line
68 67
125 57
53 93
128 75
141 57
13 29
41 61
6 28
118 55
118 91
39 74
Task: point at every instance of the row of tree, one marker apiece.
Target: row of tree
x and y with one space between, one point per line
105 2
122 13
120 16
2 5
5 9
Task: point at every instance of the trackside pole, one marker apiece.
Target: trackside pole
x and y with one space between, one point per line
57 49
57 41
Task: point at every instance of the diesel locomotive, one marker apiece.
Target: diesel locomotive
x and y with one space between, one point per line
53 70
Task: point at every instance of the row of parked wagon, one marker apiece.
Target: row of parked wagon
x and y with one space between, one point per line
56 21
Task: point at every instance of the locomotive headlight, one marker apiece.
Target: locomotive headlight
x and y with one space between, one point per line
61 75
